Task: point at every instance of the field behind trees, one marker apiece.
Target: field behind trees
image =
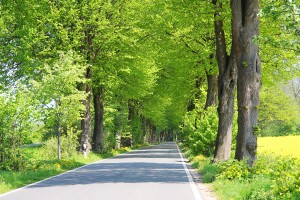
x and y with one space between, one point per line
280 146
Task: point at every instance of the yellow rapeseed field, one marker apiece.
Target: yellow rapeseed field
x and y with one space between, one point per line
284 146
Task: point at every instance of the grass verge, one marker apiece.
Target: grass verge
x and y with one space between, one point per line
271 178
38 169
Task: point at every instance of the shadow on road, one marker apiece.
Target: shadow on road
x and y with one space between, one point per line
119 170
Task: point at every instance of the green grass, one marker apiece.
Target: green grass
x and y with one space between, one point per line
38 169
274 176
239 190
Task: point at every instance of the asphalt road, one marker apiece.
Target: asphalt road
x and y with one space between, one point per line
153 173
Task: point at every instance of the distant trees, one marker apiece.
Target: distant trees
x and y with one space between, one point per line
279 111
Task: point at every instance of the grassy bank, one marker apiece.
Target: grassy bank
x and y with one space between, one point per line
38 168
275 175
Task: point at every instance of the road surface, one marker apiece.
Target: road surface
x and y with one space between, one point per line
153 173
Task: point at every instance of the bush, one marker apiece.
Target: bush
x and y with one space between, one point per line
201 130
287 186
234 169
199 160
281 177
68 148
256 189
15 162
209 172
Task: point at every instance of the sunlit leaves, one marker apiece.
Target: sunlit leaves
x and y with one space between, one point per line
276 106
58 90
279 40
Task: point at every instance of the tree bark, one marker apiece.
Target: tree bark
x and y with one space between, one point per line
144 129
226 90
131 109
86 122
191 105
58 142
226 86
137 138
98 121
245 29
212 90
2 147
153 134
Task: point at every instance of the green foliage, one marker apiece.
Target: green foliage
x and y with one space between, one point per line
18 117
279 50
271 177
234 169
58 93
201 130
136 130
68 147
109 141
257 189
149 52
209 172
278 113
283 173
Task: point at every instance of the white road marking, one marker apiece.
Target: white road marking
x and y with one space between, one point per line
190 178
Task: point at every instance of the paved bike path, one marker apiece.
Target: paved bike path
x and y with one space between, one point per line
153 173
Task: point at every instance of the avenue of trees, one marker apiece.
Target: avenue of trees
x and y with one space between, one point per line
113 73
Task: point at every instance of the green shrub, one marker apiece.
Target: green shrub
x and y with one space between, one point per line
199 160
209 172
189 154
15 162
200 130
272 177
256 189
234 169
68 148
287 186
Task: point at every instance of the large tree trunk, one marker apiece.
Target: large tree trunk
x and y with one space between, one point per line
86 122
99 116
212 90
245 29
226 85
226 90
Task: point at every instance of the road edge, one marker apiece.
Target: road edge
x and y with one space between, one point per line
196 192
205 191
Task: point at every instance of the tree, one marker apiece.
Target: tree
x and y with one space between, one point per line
245 26
226 88
58 91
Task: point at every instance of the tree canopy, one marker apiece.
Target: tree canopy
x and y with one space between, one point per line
133 72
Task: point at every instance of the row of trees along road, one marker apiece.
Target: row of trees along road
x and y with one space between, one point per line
112 73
